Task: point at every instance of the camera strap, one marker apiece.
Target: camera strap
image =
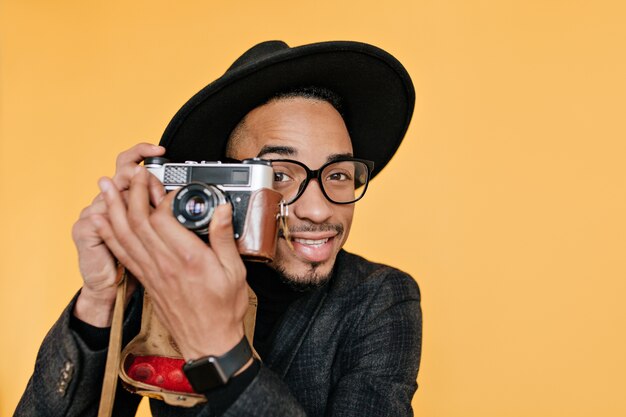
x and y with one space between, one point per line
283 217
109 383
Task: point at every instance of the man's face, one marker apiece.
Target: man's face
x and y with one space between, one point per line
312 132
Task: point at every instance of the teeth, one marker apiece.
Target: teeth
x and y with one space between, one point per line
311 242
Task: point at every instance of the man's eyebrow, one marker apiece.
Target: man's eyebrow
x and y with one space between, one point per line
280 150
291 151
338 156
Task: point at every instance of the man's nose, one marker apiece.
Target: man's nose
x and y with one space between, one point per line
313 205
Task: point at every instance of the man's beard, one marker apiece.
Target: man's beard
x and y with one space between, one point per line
313 278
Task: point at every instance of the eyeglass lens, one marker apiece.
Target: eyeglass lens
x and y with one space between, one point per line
342 181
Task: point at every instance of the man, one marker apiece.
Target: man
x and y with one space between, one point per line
337 335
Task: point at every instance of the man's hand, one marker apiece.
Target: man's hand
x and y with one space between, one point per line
199 292
97 264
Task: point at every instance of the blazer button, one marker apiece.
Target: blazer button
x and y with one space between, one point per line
66 376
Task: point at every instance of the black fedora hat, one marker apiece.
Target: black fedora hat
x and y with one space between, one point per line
376 91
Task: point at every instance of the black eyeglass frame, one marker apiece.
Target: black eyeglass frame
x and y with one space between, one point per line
317 174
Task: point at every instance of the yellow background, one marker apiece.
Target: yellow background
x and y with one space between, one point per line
506 202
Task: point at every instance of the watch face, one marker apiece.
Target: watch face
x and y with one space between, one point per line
211 372
205 374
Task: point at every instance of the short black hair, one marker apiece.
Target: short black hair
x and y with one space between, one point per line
311 92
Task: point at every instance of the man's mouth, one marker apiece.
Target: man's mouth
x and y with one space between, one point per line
313 248
311 242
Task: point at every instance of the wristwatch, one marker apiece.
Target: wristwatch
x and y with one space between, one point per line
211 372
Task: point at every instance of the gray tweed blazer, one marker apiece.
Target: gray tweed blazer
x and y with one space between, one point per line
351 348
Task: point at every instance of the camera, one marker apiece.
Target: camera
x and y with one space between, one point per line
202 186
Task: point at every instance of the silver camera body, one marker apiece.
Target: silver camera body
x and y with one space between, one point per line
202 186
248 175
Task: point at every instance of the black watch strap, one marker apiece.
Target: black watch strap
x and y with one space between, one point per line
211 372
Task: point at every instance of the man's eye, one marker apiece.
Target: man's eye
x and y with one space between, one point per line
338 176
281 177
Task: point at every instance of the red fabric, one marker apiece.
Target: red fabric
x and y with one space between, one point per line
165 373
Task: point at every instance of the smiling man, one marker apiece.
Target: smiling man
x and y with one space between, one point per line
310 131
337 335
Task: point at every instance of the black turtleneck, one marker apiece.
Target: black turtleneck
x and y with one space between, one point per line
274 298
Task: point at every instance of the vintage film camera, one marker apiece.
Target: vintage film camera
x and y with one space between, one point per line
202 186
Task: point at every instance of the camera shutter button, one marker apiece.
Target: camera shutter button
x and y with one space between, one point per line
155 160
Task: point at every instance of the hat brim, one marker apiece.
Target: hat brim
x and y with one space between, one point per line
377 96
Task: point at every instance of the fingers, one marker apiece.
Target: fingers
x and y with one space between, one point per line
138 153
106 233
145 240
156 190
129 232
98 206
102 232
221 238
126 163
182 242
129 159
139 213
179 240
117 233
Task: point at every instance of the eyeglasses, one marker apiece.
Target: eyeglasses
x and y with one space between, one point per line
342 181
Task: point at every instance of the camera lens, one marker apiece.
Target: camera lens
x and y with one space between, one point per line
194 205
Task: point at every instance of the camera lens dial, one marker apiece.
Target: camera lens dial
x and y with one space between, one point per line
194 205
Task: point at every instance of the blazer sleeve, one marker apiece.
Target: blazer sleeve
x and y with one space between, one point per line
377 362
67 378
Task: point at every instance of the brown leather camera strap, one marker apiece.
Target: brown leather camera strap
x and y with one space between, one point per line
109 384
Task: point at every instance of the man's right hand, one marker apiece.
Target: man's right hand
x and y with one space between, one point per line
97 266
